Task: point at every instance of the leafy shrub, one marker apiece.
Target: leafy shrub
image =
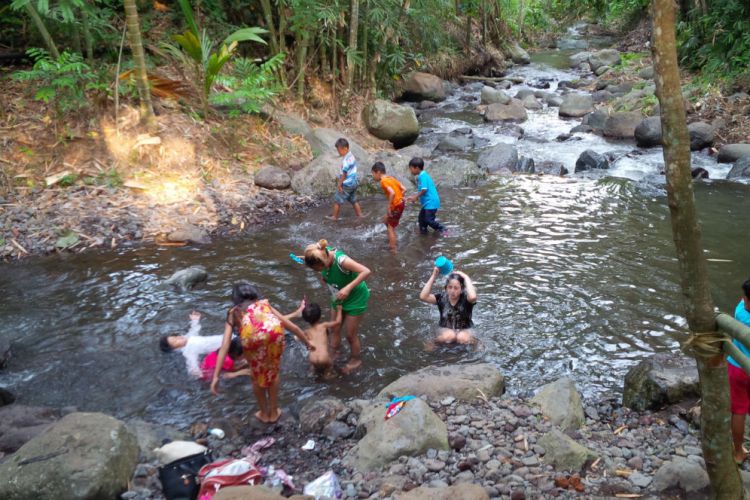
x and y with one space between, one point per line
249 86
717 42
66 81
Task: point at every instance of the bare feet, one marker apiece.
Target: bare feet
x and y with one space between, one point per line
275 416
351 366
260 416
331 217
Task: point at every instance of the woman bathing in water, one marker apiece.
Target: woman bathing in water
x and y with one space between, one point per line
455 304
261 330
346 279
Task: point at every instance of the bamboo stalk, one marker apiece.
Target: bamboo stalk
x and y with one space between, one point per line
731 350
735 329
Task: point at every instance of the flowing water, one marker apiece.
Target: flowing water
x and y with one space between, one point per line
576 276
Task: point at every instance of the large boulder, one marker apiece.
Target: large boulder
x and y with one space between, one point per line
190 233
186 279
580 57
391 122
596 120
493 96
461 491
550 167
292 123
83 456
563 453
322 140
622 125
740 169
530 102
412 431
730 153
20 423
660 380
271 177
423 86
460 139
648 132
151 436
517 54
319 412
449 172
513 111
590 160
576 105
462 382
318 178
499 157
561 404
702 135
680 476
606 57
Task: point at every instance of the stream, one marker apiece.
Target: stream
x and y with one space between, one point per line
576 276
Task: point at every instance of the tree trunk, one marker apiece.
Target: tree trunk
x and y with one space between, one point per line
139 61
712 368
351 53
87 35
521 17
268 17
484 23
365 43
37 20
468 33
301 50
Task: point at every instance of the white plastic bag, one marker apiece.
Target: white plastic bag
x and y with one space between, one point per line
177 450
326 485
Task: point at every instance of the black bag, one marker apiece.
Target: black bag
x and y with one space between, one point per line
179 478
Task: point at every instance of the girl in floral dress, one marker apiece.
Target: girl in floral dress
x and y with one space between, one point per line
261 329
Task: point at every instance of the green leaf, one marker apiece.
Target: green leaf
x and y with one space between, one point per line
246 35
44 94
187 11
66 241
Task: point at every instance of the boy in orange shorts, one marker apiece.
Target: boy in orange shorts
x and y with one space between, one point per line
394 191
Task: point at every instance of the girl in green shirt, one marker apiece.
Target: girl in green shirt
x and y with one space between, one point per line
345 277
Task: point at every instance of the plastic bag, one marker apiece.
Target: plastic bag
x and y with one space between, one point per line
326 485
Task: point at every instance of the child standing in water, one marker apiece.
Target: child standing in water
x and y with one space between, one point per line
347 182
455 305
320 358
428 197
394 191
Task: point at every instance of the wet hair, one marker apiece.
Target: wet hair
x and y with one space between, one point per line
746 288
164 344
316 253
457 277
417 162
378 167
244 292
342 143
235 348
311 313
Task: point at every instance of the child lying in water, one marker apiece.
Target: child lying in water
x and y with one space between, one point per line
319 358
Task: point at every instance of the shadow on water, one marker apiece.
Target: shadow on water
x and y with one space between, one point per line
574 277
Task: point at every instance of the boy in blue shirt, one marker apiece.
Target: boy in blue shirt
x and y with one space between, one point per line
428 197
348 181
739 382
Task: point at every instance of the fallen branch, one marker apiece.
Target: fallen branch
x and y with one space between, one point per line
18 246
620 429
511 79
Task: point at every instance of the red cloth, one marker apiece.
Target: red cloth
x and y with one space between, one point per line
739 390
209 364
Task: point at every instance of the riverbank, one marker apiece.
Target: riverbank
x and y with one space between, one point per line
465 436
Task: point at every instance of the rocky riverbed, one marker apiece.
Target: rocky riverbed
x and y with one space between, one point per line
464 439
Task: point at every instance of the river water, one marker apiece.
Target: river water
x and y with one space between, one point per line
576 276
